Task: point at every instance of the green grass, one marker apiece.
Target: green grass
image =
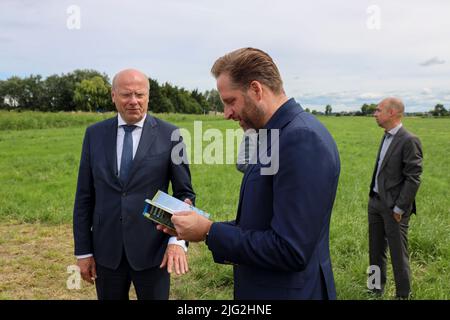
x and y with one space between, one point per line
39 156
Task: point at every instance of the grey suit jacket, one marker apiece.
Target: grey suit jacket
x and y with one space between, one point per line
399 177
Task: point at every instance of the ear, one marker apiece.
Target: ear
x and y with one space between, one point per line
256 90
112 95
392 112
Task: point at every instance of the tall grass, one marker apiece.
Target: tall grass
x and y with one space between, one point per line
10 120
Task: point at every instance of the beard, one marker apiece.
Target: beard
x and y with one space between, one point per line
252 115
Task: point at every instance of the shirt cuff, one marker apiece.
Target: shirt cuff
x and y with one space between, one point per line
399 211
181 243
83 256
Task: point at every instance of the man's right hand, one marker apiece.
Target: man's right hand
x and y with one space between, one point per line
87 269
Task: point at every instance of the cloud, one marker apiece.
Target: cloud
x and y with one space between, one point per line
432 61
336 61
371 95
426 91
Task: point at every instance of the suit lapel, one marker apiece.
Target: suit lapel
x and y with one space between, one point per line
281 118
241 194
110 140
392 146
147 138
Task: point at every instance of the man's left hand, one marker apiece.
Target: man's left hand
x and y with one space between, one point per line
397 217
175 258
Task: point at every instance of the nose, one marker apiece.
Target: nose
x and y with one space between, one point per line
133 99
228 113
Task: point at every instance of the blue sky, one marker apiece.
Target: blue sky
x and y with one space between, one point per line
329 52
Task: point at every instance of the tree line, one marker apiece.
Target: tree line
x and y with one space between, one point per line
90 90
368 110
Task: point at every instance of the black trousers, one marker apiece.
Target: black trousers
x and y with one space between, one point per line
150 284
385 231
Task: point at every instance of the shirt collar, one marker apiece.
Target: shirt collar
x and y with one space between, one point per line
394 130
122 122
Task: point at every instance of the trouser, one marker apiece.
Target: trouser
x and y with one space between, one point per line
150 284
385 231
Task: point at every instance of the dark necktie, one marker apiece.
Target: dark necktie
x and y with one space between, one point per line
127 152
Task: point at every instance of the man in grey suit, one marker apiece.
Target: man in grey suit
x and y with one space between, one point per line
395 181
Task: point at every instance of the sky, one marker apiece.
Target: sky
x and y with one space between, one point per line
342 53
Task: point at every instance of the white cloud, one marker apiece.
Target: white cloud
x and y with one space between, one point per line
427 91
371 95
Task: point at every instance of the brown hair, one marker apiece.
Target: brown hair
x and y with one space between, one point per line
249 64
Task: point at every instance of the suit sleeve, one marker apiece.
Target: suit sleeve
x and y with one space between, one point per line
84 202
302 199
412 169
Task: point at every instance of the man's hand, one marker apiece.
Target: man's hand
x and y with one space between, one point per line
175 257
397 217
87 269
191 226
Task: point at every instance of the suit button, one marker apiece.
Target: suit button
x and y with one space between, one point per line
120 218
124 194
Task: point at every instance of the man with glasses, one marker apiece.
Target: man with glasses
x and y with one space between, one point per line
125 160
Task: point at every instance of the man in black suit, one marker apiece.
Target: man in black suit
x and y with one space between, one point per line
125 160
395 181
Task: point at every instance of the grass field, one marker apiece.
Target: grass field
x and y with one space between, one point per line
39 156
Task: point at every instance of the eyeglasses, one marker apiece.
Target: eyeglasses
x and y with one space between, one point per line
129 95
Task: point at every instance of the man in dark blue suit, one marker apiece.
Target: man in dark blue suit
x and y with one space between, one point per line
125 160
279 242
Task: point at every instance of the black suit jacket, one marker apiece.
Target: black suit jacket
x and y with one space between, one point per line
399 177
108 214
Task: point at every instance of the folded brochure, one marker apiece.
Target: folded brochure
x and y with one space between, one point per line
162 206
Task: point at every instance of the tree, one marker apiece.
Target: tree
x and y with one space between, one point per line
439 111
92 95
10 93
24 93
156 101
307 110
214 101
187 104
368 109
328 110
32 93
201 100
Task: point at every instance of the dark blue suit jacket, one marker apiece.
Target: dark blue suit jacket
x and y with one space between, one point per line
279 243
114 210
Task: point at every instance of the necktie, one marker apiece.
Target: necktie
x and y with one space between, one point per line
127 152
